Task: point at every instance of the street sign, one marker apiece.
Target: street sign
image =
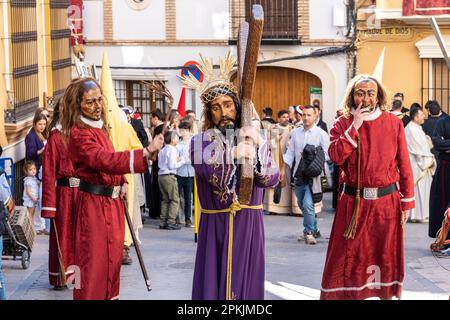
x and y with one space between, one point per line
192 67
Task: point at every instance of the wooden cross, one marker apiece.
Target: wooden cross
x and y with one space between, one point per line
249 42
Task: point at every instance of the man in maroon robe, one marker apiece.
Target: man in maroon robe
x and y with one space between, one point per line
230 252
99 212
59 190
365 255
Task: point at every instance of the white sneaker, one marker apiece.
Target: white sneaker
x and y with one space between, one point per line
309 239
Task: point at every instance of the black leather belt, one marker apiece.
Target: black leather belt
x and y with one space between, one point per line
112 192
68 182
369 193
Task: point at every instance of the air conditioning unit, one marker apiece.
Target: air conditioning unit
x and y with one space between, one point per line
339 15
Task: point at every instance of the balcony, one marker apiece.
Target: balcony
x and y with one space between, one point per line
280 20
393 10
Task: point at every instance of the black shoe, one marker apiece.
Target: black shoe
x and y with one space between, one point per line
163 226
173 227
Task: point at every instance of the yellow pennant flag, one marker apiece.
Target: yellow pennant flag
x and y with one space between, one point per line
122 133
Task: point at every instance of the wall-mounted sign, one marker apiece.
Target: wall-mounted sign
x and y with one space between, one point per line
386 32
192 67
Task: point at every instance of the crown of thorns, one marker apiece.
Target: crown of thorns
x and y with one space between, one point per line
215 84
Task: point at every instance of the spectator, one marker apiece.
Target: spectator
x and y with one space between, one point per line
283 118
397 109
174 120
279 139
194 127
267 117
298 116
401 97
35 140
423 164
292 118
435 113
319 121
156 122
168 163
5 195
31 189
308 134
137 125
185 173
34 147
152 192
414 105
440 188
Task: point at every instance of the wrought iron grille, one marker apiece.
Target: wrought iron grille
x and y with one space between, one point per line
280 18
436 82
135 94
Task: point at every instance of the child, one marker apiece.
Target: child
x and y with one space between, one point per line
30 188
185 174
169 162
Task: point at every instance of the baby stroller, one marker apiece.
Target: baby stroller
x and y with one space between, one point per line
19 239
18 232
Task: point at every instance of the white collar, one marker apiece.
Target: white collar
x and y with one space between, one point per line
98 124
58 127
374 115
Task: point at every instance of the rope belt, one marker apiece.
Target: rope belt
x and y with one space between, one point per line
233 209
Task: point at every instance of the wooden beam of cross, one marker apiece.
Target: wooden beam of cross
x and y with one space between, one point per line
249 44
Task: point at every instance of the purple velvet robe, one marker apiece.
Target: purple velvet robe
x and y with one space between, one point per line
217 181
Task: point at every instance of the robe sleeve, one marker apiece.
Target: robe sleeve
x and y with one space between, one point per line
30 147
266 173
404 166
50 169
342 141
439 143
93 154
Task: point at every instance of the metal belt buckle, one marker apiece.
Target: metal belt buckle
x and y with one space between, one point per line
74 182
370 193
116 192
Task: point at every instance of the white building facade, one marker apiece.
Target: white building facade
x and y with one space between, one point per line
152 39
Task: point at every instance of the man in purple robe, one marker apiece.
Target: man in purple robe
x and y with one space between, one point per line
230 253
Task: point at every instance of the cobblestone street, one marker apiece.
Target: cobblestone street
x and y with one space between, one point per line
293 269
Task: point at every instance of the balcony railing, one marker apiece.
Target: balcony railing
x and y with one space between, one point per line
280 18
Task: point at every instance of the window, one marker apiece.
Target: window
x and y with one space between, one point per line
280 17
436 82
140 97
